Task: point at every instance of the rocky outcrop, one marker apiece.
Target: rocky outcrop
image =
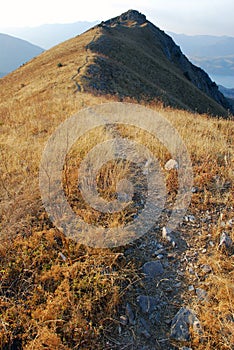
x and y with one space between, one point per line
125 18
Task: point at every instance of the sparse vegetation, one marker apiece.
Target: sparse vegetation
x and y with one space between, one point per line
57 294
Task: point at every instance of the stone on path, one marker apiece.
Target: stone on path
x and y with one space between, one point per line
147 304
152 269
181 322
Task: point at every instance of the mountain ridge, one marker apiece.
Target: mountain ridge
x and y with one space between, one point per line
131 28
206 51
126 56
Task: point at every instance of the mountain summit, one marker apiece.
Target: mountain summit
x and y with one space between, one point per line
126 56
135 58
126 17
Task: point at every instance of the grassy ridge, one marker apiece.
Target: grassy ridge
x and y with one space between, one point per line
54 293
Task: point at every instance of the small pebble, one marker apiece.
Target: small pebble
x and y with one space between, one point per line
123 320
206 268
191 288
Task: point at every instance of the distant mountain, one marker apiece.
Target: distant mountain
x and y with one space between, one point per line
49 35
205 45
215 54
15 52
216 65
227 92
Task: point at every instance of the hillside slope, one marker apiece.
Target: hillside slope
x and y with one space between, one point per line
15 52
126 56
135 58
58 294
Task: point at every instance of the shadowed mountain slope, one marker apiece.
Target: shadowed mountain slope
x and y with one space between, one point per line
135 58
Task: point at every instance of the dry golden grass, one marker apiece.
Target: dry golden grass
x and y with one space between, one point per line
56 294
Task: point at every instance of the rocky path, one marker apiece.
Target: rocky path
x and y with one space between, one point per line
156 314
153 301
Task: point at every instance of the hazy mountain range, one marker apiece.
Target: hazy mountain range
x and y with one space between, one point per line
49 35
14 52
212 53
127 56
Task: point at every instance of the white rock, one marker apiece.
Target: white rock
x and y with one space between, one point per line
191 288
171 164
167 236
190 218
225 241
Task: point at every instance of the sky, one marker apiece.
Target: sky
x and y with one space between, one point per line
213 17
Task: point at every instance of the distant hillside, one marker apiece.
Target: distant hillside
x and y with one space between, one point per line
215 54
15 52
229 94
216 65
205 45
49 35
226 92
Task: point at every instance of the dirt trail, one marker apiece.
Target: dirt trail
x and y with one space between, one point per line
87 57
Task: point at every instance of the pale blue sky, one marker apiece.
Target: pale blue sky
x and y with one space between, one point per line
181 16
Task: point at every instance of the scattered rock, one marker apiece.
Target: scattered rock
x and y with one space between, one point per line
190 218
153 269
130 315
157 252
167 235
178 285
191 271
123 320
206 268
195 190
171 164
159 246
225 241
160 256
144 328
181 322
191 288
201 294
147 304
